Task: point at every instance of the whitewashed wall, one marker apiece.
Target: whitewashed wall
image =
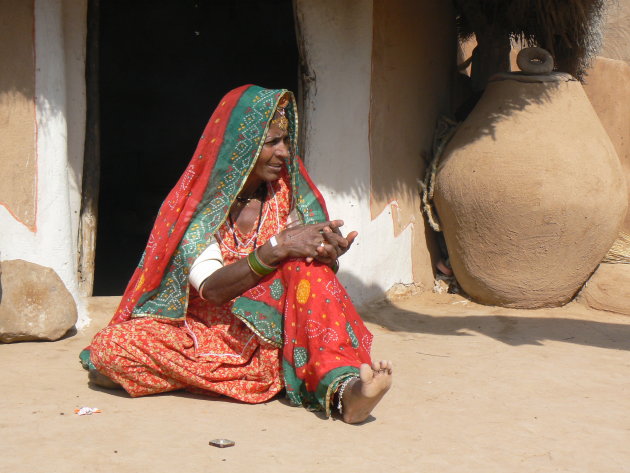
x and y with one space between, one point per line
338 39
60 111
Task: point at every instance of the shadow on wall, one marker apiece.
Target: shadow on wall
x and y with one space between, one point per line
16 27
359 290
375 80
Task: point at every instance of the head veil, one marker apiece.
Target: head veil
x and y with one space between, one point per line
199 203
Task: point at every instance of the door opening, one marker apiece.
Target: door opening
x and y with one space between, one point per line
163 67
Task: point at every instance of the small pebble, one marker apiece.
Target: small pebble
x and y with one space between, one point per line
222 443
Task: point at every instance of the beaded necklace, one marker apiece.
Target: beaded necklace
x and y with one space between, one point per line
232 226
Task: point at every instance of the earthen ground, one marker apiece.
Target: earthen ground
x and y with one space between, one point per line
477 389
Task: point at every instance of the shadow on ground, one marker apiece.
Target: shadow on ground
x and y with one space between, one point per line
454 315
520 329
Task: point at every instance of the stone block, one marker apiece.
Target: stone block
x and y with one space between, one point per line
608 289
34 303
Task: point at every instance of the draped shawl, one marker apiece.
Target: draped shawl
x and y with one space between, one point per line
200 201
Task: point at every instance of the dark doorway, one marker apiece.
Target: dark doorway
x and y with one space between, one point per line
164 65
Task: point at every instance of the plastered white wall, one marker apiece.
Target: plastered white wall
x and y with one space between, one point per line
54 243
338 50
74 38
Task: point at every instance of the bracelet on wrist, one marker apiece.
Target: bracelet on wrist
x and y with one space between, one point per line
257 266
335 266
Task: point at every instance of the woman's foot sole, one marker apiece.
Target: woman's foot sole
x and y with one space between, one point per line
362 395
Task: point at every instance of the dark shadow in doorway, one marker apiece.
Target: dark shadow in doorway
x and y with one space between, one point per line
164 65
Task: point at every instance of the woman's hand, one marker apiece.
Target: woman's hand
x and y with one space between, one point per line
302 241
320 241
335 244
233 280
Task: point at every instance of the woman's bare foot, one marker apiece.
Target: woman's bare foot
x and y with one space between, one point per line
99 379
443 267
363 394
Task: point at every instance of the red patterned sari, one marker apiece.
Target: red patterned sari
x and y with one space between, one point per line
297 329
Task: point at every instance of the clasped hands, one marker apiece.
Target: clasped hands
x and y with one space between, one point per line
321 242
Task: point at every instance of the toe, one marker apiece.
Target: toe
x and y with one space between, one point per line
366 371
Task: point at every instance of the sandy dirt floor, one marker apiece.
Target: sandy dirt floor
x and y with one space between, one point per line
477 389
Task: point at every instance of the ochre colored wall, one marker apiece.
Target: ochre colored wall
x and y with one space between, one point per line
608 85
413 64
377 75
608 89
617 31
18 163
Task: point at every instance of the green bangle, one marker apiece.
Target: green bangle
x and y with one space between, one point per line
249 263
264 265
335 267
257 266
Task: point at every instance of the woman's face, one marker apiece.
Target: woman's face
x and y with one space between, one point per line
273 155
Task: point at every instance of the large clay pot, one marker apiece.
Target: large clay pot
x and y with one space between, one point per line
530 192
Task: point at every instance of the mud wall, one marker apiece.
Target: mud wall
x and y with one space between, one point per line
608 89
47 110
413 55
608 85
372 91
353 116
18 164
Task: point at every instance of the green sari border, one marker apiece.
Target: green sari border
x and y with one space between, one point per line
243 306
321 398
85 360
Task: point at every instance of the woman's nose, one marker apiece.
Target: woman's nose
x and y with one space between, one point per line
282 150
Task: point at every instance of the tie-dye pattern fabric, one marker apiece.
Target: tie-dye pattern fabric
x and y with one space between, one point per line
296 329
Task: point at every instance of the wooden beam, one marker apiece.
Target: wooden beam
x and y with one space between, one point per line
91 157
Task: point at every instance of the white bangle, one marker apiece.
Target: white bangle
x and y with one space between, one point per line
273 241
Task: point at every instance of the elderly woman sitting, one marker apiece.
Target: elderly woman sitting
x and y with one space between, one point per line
236 292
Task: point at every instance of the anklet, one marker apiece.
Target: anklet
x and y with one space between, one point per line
340 391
